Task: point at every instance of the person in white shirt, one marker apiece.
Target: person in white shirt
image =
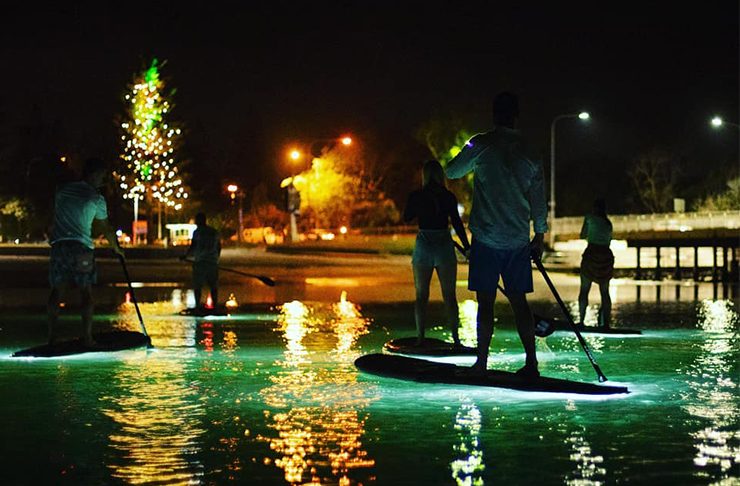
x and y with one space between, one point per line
76 205
597 262
508 192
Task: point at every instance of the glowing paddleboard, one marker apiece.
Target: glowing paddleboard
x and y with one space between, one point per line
107 342
430 347
423 371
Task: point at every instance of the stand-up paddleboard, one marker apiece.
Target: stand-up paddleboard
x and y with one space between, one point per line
564 326
430 347
106 342
423 371
200 312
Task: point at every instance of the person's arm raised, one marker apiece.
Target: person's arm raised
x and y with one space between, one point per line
464 162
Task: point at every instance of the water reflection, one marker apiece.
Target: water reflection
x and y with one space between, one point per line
467 469
711 398
315 405
467 312
588 465
156 438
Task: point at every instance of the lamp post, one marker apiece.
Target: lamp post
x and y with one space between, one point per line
233 194
296 155
583 116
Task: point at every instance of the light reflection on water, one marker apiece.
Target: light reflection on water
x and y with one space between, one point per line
157 432
315 405
467 469
301 413
712 396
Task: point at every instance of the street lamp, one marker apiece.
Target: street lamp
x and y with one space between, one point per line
718 122
234 192
584 116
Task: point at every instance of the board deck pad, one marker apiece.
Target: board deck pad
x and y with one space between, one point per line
423 371
431 347
107 342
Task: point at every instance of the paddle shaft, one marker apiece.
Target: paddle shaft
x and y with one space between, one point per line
265 280
537 318
133 295
585 347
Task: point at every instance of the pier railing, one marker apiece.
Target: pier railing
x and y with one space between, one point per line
624 224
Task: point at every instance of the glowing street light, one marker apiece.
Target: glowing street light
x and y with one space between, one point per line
583 116
295 155
718 122
233 190
347 141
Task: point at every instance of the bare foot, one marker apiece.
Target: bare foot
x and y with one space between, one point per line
529 372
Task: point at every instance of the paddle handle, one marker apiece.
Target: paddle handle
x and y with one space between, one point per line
133 295
585 347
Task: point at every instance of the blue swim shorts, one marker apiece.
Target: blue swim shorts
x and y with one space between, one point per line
487 264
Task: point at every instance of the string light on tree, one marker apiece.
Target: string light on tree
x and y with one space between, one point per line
149 172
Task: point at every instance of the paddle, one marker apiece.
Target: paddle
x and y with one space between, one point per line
541 268
133 299
265 280
542 327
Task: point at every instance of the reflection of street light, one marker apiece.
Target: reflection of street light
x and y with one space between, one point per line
584 115
233 193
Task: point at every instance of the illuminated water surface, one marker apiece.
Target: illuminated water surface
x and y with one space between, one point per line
272 397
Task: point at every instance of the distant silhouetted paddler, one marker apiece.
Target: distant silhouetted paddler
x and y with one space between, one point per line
597 262
206 247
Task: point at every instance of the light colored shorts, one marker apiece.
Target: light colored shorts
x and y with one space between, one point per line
434 248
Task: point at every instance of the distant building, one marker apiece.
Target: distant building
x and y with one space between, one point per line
181 233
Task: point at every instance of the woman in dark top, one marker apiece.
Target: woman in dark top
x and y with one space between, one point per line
434 207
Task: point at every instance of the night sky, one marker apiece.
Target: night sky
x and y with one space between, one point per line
256 78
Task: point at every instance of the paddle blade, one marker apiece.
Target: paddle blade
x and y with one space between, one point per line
267 281
543 327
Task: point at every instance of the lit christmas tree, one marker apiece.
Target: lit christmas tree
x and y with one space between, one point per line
148 172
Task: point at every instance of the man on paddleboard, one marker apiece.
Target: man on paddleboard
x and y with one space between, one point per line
508 192
206 246
76 205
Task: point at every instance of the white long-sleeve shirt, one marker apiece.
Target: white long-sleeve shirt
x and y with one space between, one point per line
508 187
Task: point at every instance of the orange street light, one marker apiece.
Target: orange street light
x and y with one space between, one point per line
295 155
347 141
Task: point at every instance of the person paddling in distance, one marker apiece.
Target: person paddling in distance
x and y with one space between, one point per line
76 206
597 262
206 246
435 207
508 192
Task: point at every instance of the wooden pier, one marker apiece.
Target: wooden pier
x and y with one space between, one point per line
726 239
